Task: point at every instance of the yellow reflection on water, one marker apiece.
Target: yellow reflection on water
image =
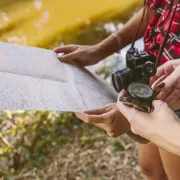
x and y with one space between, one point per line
41 22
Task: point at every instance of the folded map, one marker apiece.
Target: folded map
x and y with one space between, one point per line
34 79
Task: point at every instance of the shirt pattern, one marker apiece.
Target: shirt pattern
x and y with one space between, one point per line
155 33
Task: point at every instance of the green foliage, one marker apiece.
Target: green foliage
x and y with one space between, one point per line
27 137
117 146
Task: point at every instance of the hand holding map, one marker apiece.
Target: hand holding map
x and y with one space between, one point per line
34 79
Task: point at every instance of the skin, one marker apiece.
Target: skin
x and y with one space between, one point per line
89 55
145 125
169 74
149 157
107 118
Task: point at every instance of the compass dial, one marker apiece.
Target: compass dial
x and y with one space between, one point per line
140 90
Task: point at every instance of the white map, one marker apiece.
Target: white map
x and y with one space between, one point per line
34 79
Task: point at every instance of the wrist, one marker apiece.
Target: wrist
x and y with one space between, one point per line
118 39
109 46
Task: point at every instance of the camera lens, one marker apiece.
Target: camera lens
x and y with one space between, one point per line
116 82
121 79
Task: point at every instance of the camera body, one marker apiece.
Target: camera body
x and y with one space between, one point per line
140 67
135 80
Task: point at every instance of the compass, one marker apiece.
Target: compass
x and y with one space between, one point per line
140 91
139 96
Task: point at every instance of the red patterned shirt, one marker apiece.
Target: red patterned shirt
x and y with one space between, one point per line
154 35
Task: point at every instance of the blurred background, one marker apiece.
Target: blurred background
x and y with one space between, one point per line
43 145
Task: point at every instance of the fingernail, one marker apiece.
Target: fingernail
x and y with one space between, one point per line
161 85
59 55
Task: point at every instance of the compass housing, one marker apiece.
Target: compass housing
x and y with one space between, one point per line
140 91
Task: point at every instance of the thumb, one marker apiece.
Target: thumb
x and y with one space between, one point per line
132 114
125 110
123 93
68 58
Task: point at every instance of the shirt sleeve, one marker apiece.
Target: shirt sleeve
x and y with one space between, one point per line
150 4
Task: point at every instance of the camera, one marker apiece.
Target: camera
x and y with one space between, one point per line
135 80
140 67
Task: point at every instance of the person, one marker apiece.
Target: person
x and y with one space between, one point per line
155 163
155 126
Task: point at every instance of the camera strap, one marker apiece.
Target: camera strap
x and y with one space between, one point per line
166 35
140 24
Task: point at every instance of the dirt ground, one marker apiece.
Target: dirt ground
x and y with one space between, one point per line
90 155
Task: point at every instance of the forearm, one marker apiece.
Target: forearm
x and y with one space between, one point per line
168 138
127 33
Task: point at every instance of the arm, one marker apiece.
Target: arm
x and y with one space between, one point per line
89 55
127 33
168 138
162 126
